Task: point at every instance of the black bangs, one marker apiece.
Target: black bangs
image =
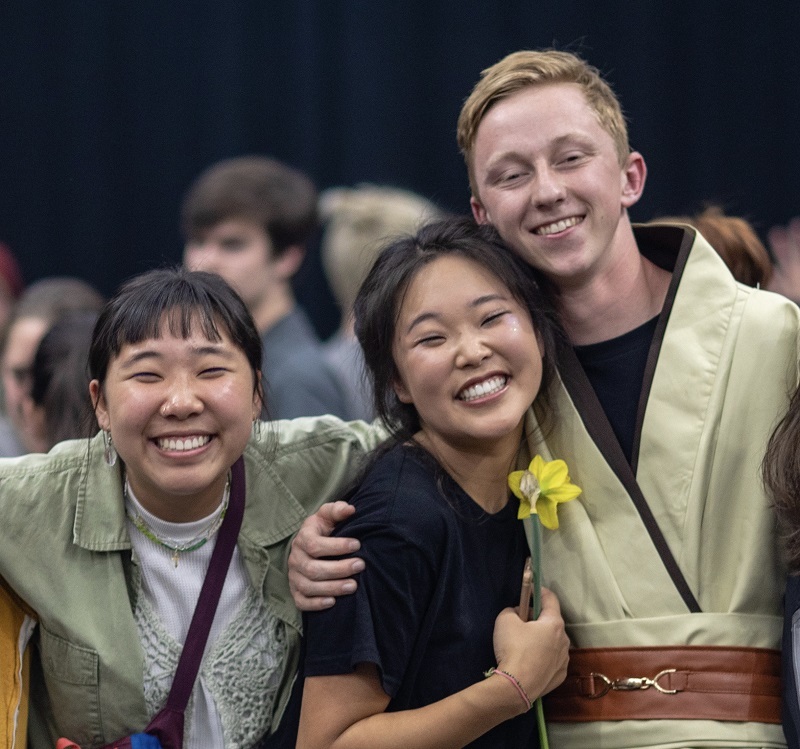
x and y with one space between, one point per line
186 301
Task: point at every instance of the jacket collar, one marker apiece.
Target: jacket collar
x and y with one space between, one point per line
100 523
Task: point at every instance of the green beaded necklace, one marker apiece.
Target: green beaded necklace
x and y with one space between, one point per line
170 544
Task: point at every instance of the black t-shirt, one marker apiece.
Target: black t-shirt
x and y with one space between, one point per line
615 370
438 571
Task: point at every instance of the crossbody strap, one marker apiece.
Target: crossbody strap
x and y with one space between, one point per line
206 608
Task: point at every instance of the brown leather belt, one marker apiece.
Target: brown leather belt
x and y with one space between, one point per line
684 683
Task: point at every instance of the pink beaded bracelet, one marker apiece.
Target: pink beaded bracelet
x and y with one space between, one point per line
515 681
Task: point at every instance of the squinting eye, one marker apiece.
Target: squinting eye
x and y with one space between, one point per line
494 317
431 340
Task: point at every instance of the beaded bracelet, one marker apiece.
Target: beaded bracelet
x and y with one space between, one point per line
515 681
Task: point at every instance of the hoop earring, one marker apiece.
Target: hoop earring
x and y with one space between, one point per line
109 451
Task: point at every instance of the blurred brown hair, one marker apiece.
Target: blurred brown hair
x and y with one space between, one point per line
735 241
277 197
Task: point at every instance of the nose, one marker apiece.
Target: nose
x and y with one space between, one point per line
181 400
472 351
548 187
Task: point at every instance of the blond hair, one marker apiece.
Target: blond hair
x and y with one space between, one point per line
359 222
535 68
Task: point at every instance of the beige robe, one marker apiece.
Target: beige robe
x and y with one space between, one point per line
726 366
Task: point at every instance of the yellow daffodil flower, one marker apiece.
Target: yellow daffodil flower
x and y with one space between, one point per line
541 488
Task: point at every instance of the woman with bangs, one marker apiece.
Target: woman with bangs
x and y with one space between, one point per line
109 540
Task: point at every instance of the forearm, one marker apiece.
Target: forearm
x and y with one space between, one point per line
450 723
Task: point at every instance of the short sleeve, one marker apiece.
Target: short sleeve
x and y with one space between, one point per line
380 622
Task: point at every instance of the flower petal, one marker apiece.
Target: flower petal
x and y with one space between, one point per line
564 493
554 474
514 479
537 465
548 512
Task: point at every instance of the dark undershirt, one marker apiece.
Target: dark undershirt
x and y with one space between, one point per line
615 369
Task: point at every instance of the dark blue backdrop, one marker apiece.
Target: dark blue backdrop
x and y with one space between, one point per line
108 109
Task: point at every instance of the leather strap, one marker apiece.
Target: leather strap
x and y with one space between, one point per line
683 683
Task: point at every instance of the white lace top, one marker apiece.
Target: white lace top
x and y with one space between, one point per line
232 702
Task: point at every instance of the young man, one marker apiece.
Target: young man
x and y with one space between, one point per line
667 567
249 219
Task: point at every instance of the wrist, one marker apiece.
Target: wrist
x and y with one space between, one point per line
522 698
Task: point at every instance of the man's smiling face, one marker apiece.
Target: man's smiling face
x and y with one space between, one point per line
548 178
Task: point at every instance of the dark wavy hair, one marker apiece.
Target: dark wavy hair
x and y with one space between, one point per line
378 303
780 471
60 381
183 299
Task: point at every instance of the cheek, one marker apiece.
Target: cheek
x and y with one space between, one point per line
234 401
127 410
506 206
524 350
419 373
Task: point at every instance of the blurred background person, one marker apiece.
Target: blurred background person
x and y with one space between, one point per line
11 286
784 243
736 242
358 223
58 406
249 219
42 304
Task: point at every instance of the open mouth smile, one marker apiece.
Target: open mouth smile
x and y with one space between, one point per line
183 444
557 226
482 389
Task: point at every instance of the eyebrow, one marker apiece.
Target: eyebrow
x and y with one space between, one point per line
572 137
208 350
424 316
513 155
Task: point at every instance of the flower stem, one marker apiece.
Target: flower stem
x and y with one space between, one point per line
536 560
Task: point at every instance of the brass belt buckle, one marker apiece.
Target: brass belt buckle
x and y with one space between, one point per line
630 683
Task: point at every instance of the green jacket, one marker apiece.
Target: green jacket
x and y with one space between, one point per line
66 552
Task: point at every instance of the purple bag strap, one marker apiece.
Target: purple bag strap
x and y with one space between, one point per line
206 608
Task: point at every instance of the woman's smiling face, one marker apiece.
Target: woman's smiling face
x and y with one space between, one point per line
180 412
466 354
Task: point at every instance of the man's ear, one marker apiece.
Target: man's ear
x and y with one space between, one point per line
99 403
478 211
634 175
289 262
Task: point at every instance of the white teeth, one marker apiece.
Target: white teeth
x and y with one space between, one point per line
558 226
181 445
487 387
